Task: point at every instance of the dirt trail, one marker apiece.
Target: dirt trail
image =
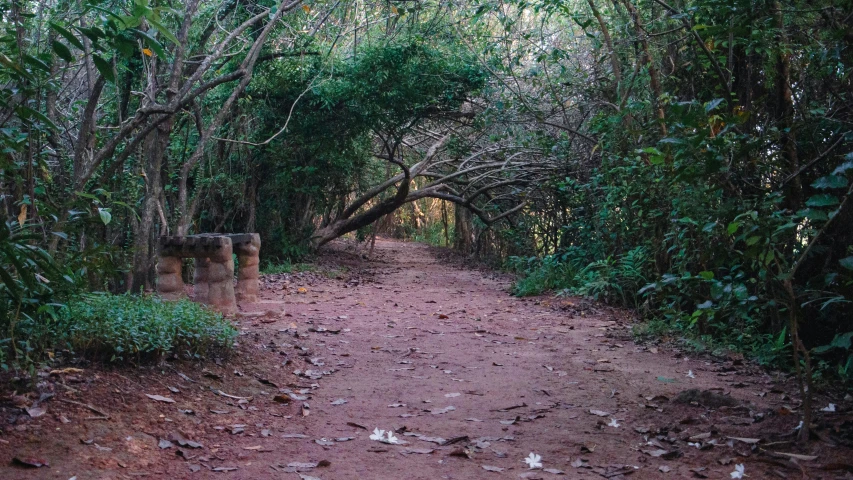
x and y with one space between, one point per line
471 378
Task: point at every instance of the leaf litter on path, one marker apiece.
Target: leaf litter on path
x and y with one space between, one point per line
160 398
521 377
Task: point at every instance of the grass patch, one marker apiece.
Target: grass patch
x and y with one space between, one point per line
125 327
287 267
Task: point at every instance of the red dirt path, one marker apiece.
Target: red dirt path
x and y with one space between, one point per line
416 335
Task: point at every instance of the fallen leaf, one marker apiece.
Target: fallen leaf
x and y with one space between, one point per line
164 444
31 462
805 458
184 442
459 439
490 468
424 438
22 217
699 472
160 398
440 411
36 412
600 413
554 471
422 451
66 371
339 401
224 469
664 469
745 440
235 397
506 409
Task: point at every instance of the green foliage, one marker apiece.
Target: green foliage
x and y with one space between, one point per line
552 272
286 267
30 283
128 328
334 110
614 281
433 234
700 183
609 280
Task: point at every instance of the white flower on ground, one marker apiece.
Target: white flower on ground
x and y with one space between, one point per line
613 423
690 374
378 435
830 408
533 461
738 473
391 438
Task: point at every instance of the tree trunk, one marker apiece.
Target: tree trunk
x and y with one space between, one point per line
463 230
611 52
144 242
785 99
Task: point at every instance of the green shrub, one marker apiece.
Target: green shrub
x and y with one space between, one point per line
434 234
124 327
286 267
30 284
539 275
612 281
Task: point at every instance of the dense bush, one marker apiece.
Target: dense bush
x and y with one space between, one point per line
717 205
30 283
125 327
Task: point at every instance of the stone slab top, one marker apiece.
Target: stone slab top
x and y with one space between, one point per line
205 240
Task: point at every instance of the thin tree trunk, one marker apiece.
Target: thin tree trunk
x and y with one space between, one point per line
611 52
649 61
785 99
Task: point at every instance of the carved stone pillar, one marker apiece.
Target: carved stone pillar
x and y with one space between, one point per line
249 270
170 285
200 279
220 279
214 268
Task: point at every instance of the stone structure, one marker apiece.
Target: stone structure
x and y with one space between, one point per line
214 268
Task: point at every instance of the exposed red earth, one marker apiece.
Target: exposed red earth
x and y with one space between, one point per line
471 379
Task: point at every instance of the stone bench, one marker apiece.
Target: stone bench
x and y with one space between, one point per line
214 268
